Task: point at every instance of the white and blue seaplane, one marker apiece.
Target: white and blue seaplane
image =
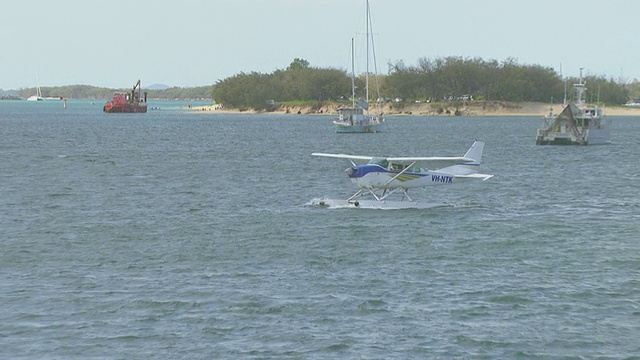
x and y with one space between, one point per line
382 180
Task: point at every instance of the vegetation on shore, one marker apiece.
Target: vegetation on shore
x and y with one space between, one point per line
451 80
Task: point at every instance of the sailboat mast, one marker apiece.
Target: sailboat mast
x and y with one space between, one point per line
353 76
367 62
38 90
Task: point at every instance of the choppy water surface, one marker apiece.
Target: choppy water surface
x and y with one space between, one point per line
181 235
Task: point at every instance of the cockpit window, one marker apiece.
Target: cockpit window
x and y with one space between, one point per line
379 161
405 168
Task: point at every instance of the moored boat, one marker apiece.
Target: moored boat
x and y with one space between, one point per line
357 118
132 102
35 98
38 95
633 103
579 123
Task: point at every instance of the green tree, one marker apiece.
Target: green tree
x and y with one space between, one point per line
298 64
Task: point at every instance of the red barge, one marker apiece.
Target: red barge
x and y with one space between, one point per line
127 102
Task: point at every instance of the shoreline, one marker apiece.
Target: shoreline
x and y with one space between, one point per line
476 108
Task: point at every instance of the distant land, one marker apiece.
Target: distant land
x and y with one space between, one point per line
8 93
155 91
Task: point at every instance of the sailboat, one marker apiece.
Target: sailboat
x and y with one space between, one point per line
357 118
38 95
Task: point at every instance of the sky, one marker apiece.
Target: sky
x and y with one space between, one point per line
191 43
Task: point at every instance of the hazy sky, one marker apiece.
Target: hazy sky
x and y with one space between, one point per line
197 42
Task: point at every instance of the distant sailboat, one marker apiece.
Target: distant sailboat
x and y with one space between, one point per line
357 118
38 95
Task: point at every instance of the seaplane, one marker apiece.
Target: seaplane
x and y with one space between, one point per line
382 180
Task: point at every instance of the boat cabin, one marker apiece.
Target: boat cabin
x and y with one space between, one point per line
352 115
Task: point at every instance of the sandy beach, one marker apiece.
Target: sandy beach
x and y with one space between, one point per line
475 108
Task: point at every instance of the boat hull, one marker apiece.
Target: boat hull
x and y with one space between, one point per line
347 128
124 108
593 137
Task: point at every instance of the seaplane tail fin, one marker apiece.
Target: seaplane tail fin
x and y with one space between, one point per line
475 152
467 169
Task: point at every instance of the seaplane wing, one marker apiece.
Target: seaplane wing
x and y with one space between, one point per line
344 156
431 162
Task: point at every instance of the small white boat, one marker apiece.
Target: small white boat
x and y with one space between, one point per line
633 103
578 124
38 95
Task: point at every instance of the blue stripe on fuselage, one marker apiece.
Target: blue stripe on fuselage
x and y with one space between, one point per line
362 170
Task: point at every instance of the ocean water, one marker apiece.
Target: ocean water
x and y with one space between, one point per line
176 235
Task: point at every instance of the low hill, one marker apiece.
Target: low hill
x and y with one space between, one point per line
156 87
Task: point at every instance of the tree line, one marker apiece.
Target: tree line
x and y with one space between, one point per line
451 77
299 82
430 80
